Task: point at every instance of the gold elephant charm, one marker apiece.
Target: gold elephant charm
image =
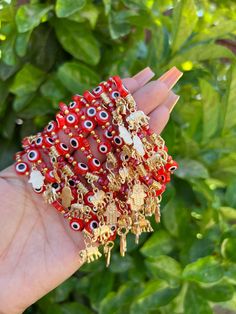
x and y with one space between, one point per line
102 232
90 254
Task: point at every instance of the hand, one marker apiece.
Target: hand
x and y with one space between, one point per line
38 250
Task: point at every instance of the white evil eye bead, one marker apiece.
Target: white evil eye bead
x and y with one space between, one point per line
98 90
72 104
91 112
71 119
62 148
104 148
21 167
33 155
56 186
94 164
102 117
39 190
113 228
76 224
39 141
87 125
115 95
51 127
74 142
93 224
117 140
81 168
48 142
108 134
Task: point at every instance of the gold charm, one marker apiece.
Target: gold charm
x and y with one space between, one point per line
102 232
136 199
122 232
98 199
112 214
141 225
90 254
36 178
125 134
50 194
107 251
137 119
66 196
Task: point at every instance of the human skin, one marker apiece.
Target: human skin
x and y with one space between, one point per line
38 250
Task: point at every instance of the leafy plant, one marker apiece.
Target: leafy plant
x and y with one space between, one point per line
52 49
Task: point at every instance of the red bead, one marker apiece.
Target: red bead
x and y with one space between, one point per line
171 166
80 102
90 98
104 147
58 206
87 197
92 224
102 117
91 112
121 88
71 119
62 148
48 142
39 141
33 155
98 91
94 164
87 125
60 120
21 167
63 107
49 176
77 224
81 168
51 127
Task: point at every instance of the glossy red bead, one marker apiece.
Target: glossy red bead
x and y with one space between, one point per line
102 117
33 155
71 119
87 198
49 176
94 164
62 148
87 125
171 166
81 168
58 206
77 224
21 168
104 147
61 121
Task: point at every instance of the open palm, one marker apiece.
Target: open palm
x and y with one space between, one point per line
38 250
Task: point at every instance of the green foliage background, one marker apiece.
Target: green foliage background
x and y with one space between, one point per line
52 49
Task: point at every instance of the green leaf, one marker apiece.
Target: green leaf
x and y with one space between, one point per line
119 302
230 272
74 308
230 194
228 249
22 101
53 88
211 109
201 52
206 270
166 268
65 8
89 13
8 55
194 303
21 43
39 106
29 16
77 39
191 169
119 24
27 80
156 293
229 113
225 27
158 244
77 77
184 21
220 292
62 292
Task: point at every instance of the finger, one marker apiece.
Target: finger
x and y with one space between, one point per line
171 77
138 80
160 116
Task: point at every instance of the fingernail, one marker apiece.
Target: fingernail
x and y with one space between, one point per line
171 77
171 101
144 76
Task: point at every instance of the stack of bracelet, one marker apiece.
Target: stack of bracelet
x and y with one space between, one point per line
100 199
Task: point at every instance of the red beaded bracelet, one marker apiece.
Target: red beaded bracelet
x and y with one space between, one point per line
105 196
